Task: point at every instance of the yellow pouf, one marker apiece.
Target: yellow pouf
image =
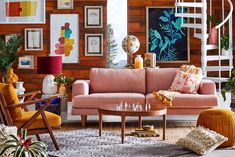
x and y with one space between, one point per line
221 121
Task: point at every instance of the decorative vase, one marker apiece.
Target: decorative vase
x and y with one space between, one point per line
20 88
62 90
139 62
213 39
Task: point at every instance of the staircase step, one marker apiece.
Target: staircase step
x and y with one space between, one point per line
212 47
188 4
191 25
188 15
216 58
216 68
199 35
217 79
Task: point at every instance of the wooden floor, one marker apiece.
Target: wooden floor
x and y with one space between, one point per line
174 130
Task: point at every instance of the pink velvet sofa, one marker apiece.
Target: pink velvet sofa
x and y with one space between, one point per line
112 86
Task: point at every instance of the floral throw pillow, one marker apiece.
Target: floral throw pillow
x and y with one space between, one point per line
186 83
202 140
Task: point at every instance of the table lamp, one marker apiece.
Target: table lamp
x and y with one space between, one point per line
49 65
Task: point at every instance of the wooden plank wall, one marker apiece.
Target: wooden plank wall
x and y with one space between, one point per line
137 27
33 81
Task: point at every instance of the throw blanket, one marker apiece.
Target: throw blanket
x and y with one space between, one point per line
166 96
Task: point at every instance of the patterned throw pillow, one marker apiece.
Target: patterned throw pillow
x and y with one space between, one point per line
186 83
202 140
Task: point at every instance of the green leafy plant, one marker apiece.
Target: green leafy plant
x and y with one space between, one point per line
8 52
224 40
23 146
60 79
229 86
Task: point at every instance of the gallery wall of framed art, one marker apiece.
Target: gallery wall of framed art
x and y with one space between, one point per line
76 64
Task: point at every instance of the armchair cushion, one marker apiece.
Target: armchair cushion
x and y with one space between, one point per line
11 98
53 119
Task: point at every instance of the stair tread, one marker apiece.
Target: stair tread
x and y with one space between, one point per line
216 57
217 79
216 68
189 4
189 15
199 35
191 25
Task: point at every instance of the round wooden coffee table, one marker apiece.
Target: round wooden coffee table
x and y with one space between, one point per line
114 110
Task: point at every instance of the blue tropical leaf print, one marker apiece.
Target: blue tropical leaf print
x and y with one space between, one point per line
157 34
164 19
166 14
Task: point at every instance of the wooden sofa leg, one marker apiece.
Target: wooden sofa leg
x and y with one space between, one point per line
83 120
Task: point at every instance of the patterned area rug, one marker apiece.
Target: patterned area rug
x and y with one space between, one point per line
86 142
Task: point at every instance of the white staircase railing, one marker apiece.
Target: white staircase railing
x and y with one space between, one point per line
203 26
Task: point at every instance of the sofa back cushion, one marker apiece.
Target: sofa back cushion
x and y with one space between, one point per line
117 80
159 78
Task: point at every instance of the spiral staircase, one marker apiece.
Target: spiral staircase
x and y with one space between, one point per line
198 11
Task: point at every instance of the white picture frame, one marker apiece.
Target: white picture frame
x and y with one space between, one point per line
26 62
93 16
36 15
65 4
33 39
59 43
93 44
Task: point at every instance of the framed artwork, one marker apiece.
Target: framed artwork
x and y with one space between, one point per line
8 36
93 44
22 12
165 37
65 37
26 62
93 16
33 39
65 4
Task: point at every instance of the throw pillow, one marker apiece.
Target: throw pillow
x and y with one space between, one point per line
11 98
202 140
186 83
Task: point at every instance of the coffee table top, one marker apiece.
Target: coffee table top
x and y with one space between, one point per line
133 111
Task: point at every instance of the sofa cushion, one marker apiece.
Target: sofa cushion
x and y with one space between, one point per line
97 100
117 80
159 78
187 101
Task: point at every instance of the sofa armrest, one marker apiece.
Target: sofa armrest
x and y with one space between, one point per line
207 87
80 87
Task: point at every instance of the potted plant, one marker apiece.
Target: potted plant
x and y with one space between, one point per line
230 86
63 81
213 35
224 40
23 146
8 56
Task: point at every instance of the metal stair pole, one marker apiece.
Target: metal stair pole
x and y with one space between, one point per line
204 38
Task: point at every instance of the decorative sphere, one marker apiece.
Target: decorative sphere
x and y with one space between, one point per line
130 44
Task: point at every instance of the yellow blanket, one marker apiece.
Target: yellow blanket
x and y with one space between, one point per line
165 96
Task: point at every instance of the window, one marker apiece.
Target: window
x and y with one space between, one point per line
117 30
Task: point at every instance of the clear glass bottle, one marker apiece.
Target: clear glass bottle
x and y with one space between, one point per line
139 62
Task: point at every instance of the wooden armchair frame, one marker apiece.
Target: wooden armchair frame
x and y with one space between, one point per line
29 101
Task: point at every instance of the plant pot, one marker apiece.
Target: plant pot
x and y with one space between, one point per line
62 90
224 52
213 38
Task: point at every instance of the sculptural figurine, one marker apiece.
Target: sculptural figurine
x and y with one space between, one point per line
49 86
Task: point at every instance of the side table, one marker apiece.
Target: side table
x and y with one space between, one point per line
61 107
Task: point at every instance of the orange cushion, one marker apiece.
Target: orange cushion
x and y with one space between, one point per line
11 98
53 119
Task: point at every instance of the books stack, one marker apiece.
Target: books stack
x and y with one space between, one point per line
146 131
